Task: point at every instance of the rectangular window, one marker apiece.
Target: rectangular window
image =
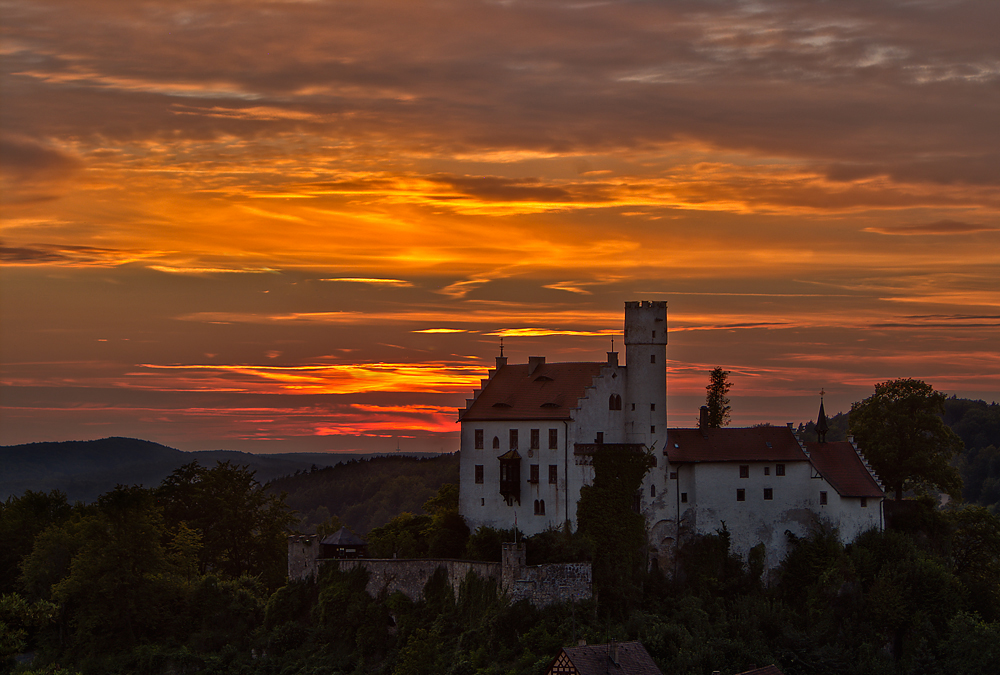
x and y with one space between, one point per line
633 406
652 407
684 498
553 474
652 358
768 494
652 429
533 476
864 502
822 499
600 437
741 495
767 471
479 473
513 439
673 475
479 439
553 439
744 470
534 440
779 469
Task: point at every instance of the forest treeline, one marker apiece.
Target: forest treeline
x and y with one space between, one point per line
188 577
86 469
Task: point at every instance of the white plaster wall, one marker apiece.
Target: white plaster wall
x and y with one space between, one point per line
849 516
756 520
482 504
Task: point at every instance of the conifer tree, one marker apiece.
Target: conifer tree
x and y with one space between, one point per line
716 399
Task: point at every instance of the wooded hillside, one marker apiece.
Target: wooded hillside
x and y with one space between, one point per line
366 493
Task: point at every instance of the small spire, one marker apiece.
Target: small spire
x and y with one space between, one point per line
821 425
501 346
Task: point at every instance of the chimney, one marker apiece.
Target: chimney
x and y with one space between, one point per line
501 362
703 417
612 358
613 652
534 362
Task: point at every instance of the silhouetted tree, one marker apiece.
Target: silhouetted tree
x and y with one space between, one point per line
901 432
716 399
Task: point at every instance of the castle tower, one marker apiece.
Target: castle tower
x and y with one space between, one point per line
646 361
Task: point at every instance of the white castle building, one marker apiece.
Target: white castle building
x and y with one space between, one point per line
528 435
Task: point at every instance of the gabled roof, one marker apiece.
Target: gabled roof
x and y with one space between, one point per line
343 537
548 393
741 444
839 464
632 659
766 670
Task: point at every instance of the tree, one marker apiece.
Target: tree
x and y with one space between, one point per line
241 525
716 399
608 516
901 432
21 520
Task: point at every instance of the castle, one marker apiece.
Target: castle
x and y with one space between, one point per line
530 432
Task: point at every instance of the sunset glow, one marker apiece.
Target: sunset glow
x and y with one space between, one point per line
277 226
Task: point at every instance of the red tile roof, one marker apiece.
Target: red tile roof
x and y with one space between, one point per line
840 465
751 444
766 670
632 659
549 393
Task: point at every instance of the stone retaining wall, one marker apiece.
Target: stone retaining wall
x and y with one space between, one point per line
540 584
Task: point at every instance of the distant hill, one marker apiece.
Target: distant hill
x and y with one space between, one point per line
86 469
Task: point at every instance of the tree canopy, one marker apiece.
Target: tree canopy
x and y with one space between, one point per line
241 526
902 434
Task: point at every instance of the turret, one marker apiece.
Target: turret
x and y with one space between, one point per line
646 361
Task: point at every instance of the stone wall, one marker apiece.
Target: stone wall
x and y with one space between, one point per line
410 576
303 550
543 584
539 584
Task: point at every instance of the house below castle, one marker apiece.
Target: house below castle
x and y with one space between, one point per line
530 432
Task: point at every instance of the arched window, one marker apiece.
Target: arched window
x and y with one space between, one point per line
541 507
614 402
536 507
496 442
652 491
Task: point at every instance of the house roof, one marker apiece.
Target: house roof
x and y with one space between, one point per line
747 444
343 537
633 659
548 393
766 670
840 465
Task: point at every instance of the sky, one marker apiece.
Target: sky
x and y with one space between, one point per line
306 225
